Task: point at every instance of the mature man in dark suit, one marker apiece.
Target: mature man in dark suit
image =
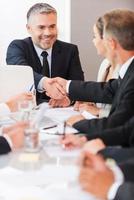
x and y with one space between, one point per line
60 58
118 26
107 181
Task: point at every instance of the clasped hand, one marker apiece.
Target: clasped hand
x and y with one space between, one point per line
55 87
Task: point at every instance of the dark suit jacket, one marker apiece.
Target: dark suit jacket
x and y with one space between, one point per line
119 154
122 135
125 192
4 146
65 60
121 97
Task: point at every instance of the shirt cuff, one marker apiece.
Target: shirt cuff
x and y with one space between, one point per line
4 109
88 115
119 179
8 140
67 86
40 87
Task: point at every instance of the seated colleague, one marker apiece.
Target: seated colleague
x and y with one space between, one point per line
119 136
105 181
116 138
116 152
122 136
12 137
108 70
11 105
62 58
118 92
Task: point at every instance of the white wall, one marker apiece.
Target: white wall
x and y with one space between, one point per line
13 21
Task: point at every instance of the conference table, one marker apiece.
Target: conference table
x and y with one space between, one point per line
48 174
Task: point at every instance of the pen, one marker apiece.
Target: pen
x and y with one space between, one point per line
31 87
64 129
49 127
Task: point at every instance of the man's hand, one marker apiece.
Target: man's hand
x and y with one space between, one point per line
72 120
53 88
73 141
61 81
94 146
65 102
91 108
95 177
13 102
16 134
77 104
14 126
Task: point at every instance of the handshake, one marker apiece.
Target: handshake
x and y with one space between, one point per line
55 87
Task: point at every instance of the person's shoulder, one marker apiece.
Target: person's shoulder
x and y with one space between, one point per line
22 41
65 44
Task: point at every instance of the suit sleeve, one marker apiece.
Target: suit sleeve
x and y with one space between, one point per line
122 104
119 136
97 92
125 192
93 92
75 69
16 55
118 154
4 146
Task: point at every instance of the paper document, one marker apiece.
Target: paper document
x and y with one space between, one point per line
58 151
61 114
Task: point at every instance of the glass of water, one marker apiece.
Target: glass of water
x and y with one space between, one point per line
24 108
31 141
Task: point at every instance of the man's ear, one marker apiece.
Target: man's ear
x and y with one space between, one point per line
28 28
113 43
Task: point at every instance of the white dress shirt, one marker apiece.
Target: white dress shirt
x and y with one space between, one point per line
4 109
39 51
125 66
118 180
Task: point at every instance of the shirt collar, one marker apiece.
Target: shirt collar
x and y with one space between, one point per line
125 66
39 51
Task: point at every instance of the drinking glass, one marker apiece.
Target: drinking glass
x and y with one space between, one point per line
31 141
25 107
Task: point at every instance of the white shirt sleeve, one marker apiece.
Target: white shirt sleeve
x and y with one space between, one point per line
119 179
67 86
4 109
88 115
40 86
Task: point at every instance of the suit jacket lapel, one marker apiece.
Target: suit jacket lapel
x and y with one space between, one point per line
35 57
124 82
129 72
56 57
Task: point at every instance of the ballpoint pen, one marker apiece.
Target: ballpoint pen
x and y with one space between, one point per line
32 86
64 129
45 128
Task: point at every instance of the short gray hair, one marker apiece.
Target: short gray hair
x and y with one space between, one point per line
40 8
120 24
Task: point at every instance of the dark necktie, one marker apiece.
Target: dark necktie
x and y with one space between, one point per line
119 81
45 67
